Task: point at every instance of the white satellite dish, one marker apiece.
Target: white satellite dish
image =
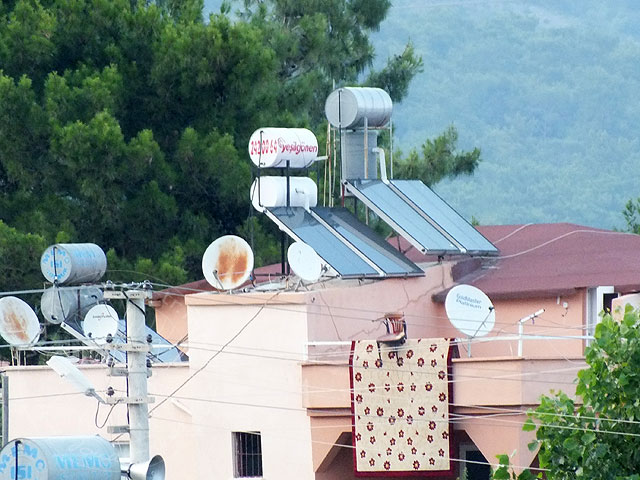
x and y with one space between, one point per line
470 311
304 261
19 324
227 263
100 321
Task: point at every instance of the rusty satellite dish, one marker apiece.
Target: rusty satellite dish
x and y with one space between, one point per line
19 324
227 263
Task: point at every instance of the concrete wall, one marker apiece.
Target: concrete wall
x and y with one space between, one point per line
256 382
254 385
43 404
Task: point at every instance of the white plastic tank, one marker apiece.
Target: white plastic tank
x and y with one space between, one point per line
347 107
59 304
273 147
271 192
73 263
53 458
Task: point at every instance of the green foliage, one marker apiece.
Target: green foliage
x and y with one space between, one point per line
631 215
396 76
598 438
548 90
321 43
20 254
504 471
125 122
120 124
439 159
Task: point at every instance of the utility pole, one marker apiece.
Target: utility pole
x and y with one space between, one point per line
137 364
137 347
5 409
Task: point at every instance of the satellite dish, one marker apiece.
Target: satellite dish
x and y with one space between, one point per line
304 261
470 311
100 321
19 324
227 263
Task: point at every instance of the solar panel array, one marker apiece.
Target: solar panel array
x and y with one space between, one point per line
351 248
163 351
418 214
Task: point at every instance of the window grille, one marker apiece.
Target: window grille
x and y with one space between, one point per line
247 455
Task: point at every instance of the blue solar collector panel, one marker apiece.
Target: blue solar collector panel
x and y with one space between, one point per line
163 351
301 225
401 217
421 216
442 214
351 248
392 262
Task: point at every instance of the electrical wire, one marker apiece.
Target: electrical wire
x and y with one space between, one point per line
339 445
379 314
385 419
236 335
100 427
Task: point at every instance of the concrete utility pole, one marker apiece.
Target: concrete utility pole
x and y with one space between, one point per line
137 347
5 409
138 412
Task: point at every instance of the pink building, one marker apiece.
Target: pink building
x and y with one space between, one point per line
267 391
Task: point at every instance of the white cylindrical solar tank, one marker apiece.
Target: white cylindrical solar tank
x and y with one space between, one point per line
347 107
271 192
273 147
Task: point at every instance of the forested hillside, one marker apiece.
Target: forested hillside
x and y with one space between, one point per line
125 123
549 90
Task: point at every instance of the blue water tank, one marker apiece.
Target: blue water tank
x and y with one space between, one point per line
55 458
70 263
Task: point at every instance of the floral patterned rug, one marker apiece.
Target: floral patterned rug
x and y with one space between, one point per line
400 405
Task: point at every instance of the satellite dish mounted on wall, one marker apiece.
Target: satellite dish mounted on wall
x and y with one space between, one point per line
470 311
227 263
304 262
19 324
100 322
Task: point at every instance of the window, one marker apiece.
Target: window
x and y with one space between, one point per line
598 299
473 466
247 454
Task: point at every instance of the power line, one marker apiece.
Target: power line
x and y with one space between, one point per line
342 445
216 353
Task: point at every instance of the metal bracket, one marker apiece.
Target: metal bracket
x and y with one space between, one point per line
117 429
128 347
129 400
131 294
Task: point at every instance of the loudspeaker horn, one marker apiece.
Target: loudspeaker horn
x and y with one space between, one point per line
151 470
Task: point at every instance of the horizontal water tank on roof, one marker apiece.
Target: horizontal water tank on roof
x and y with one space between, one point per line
274 147
271 192
59 304
53 458
347 107
73 263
